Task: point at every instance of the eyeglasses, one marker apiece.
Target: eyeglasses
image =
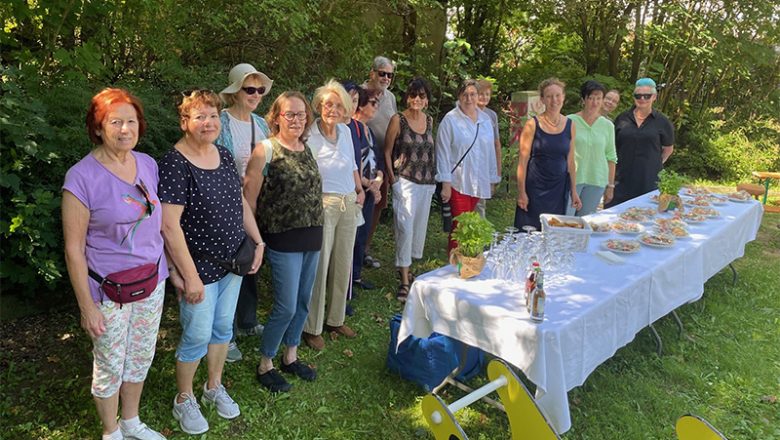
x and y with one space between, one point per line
253 90
149 204
421 95
332 106
644 96
291 116
384 74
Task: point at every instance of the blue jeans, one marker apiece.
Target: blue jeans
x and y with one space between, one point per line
293 276
361 238
210 321
590 195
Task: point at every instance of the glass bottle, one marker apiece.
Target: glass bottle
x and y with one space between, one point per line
538 298
530 282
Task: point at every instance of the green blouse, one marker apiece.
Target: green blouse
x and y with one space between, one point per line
594 146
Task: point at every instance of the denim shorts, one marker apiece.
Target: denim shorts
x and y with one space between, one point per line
210 321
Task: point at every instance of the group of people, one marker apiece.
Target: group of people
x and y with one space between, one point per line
570 164
305 194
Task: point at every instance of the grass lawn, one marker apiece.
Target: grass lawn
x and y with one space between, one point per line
726 368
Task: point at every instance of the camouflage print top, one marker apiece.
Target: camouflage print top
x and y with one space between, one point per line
291 196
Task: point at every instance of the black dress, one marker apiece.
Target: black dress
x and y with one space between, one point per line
547 176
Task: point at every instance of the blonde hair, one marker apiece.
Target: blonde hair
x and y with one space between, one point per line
485 84
550 82
198 98
332 86
276 111
229 99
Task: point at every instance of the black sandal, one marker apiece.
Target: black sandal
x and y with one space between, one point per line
403 292
411 277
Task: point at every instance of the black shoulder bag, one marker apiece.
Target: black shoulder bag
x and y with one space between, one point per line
446 210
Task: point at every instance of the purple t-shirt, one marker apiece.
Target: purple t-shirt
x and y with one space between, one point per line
121 234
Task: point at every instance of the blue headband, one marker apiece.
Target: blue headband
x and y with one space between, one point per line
645 82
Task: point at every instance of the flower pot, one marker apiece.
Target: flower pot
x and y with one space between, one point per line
669 202
468 267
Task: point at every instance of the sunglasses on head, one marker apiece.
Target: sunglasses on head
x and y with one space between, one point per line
643 96
384 74
191 93
149 205
253 90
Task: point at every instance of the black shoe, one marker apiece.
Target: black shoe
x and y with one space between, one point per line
299 369
348 310
363 284
274 381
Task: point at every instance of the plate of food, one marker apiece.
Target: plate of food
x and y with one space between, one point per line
600 227
633 216
647 211
699 201
691 217
657 239
697 191
674 230
717 199
706 212
654 198
622 246
739 197
625 227
670 223
556 222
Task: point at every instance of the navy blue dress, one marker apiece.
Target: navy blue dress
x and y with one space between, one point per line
547 176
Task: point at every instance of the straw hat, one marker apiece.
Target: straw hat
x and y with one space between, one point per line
237 76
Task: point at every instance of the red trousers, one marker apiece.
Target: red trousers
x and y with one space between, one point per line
459 203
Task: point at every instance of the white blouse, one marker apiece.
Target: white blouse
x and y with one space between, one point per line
335 161
479 169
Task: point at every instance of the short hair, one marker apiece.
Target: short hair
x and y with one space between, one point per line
198 98
646 82
466 84
553 81
332 86
485 84
416 85
351 86
380 62
276 110
615 91
101 104
589 87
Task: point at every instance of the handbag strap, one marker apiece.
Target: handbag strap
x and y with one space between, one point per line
252 123
467 151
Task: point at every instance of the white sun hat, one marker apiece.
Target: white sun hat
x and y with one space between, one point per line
237 76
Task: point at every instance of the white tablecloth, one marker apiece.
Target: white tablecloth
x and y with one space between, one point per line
590 314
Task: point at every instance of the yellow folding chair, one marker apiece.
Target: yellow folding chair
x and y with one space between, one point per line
526 421
690 427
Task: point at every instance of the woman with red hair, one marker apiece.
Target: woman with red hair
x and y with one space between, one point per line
111 224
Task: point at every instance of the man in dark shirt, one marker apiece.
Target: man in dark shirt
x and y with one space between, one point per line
644 139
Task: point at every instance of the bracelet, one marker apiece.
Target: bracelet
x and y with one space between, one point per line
262 243
610 185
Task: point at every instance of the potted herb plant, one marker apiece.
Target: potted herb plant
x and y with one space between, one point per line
472 234
669 184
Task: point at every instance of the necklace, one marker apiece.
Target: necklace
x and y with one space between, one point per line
549 121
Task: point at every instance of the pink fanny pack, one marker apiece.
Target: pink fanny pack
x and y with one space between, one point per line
129 285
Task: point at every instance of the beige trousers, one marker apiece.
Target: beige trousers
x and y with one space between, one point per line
333 272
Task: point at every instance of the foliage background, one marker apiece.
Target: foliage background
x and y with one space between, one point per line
719 62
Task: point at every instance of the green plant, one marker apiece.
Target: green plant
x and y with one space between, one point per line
473 233
669 182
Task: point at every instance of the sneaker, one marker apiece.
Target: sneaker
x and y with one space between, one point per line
141 432
299 369
274 381
252 331
227 408
188 414
369 261
233 354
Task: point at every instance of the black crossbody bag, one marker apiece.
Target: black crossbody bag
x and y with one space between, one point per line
446 210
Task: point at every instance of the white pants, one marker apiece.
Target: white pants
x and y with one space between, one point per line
411 206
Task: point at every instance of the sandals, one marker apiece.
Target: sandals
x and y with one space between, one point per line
411 277
403 292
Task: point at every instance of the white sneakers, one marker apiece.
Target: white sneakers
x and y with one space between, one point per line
190 417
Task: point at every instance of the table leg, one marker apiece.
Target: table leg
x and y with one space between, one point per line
766 189
659 345
679 323
733 275
450 379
